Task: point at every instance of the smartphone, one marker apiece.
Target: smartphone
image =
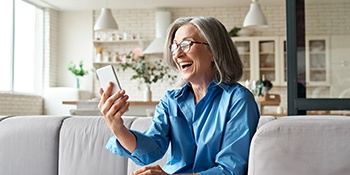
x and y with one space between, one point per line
108 74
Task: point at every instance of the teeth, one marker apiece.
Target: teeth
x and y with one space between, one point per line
185 64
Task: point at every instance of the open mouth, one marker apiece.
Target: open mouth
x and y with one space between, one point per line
184 65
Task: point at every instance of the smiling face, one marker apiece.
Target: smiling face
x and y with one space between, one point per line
196 65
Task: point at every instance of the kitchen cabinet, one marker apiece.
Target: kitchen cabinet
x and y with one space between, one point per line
268 56
259 56
317 68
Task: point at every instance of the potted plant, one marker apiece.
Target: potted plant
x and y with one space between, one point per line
78 70
146 71
263 86
234 31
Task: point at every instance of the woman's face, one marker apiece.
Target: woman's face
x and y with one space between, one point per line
195 65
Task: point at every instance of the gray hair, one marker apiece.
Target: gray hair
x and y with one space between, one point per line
228 67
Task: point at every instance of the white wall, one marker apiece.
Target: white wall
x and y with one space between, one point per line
74 44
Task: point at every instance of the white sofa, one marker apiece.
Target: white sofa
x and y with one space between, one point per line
74 145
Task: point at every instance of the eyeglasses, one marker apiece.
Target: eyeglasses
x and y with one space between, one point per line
184 45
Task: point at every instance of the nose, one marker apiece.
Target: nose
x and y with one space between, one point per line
178 52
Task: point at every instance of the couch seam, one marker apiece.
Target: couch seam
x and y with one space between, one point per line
59 143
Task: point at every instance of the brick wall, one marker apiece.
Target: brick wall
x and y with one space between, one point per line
20 104
51 45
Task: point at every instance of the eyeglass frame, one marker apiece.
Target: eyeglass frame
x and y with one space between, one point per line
181 46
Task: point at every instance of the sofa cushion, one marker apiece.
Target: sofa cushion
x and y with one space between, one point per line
301 145
82 147
29 145
141 124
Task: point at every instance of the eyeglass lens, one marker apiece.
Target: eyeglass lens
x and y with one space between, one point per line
184 45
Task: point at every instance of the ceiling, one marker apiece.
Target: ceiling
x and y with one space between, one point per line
73 5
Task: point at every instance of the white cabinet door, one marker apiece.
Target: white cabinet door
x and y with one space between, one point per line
245 47
317 61
267 57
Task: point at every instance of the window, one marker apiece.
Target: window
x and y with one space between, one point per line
22 46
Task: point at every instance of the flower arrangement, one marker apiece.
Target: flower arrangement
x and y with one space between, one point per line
77 70
149 72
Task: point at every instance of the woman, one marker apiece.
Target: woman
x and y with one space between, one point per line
208 123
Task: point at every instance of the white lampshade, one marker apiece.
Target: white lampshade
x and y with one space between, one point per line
106 22
255 17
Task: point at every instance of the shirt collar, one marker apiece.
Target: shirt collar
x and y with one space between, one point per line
212 84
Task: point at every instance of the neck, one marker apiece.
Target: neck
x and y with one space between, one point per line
199 91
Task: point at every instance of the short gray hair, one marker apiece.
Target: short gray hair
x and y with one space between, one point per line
228 66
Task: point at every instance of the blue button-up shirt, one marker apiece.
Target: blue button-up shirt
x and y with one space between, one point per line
210 137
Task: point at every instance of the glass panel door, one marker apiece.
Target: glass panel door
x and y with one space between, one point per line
244 50
267 55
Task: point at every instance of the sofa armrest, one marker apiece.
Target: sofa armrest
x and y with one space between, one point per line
301 145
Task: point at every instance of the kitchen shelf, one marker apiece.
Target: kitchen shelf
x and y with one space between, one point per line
99 42
99 64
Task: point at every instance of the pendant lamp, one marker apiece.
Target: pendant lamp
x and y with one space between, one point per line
106 22
255 17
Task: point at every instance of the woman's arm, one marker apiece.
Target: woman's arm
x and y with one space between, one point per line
112 108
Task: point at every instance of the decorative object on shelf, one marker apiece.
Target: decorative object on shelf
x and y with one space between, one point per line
99 54
255 16
147 71
106 22
147 94
78 71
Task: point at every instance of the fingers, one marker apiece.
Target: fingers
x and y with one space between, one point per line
118 107
150 170
101 91
113 103
106 100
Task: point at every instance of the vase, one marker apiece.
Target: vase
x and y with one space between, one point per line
77 82
147 94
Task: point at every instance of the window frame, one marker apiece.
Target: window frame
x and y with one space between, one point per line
39 77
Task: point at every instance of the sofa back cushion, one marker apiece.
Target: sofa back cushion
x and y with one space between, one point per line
82 147
301 145
29 145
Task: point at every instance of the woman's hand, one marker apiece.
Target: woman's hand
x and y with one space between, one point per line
150 170
112 107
